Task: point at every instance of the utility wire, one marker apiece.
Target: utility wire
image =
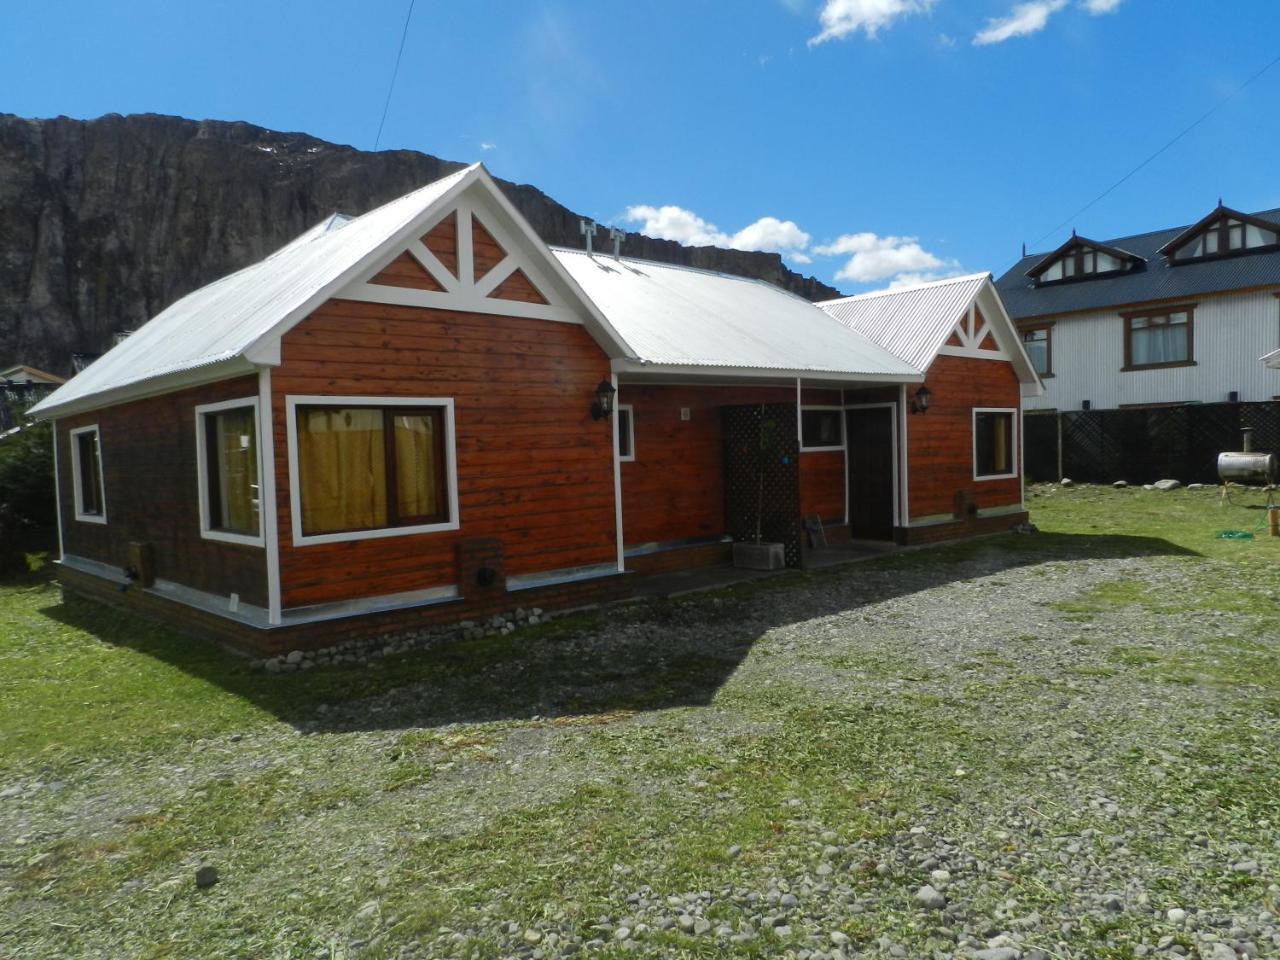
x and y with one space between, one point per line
394 73
1201 119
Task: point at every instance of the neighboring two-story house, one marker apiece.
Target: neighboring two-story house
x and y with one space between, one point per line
1176 316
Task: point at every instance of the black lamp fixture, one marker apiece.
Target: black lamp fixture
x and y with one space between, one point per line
603 406
920 403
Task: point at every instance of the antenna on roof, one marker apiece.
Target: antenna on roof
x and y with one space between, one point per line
588 229
617 236
1024 248
1219 201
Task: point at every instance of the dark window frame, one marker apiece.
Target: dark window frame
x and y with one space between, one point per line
837 413
1221 226
1047 328
1077 257
394 519
1129 317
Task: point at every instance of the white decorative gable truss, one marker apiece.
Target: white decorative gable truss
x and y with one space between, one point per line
469 258
973 337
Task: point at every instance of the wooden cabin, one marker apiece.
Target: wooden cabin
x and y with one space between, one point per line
424 415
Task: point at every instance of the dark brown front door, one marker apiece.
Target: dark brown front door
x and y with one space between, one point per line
869 434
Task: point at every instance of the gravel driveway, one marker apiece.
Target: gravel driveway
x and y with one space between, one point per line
1014 751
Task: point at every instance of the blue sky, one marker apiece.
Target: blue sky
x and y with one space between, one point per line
871 141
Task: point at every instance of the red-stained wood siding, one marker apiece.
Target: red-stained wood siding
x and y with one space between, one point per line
487 253
150 489
518 287
534 469
442 240
822 487
674 490
404 271
940 441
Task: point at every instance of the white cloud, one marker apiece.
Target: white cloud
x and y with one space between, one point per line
840 18
670 222
487 146
1024 19
873 257
868 257
915 279
1099 7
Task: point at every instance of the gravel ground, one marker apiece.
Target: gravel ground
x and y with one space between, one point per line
1009 754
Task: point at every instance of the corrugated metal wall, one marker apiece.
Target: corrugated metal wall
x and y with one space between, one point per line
1231 333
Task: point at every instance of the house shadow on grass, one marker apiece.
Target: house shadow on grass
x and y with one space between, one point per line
650 655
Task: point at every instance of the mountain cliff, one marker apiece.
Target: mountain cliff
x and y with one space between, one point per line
105 222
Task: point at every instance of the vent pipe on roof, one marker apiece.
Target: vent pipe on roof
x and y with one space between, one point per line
617 236
588 229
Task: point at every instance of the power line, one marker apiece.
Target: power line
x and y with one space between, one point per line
394 73
1199 120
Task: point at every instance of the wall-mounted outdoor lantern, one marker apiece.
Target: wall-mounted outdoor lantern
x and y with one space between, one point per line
603 406
920 403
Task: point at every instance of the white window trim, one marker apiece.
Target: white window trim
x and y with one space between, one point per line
631 432
78 494
821 406
292 402
1013 454
207 531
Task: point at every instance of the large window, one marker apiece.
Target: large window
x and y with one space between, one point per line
370 467
1038 342
994 443
1163 339
626 432
86 475
228 464
821 429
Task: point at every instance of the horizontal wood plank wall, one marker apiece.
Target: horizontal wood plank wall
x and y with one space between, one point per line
674 489
822 489
534 469
149 475
940 441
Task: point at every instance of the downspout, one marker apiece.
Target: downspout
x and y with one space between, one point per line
268 506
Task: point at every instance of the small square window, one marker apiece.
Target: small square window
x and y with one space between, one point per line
1038 344
820 429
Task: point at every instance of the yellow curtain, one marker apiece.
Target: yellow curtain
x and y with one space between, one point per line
237 450
342 469
1001 460
417 491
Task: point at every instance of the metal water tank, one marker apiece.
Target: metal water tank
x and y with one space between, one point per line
1248 467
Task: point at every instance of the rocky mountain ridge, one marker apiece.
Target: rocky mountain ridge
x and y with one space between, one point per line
105 222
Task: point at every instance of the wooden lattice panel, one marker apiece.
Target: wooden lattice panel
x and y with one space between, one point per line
762 476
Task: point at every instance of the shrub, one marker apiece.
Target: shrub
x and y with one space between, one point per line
26 481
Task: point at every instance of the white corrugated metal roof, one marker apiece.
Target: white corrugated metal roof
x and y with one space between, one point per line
910 322
676 316
220 322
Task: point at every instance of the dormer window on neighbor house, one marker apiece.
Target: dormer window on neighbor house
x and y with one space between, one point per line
1223 233
1081 259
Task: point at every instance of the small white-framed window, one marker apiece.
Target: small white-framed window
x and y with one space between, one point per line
87 486
367 467
626 432
995 443
821 428
229 470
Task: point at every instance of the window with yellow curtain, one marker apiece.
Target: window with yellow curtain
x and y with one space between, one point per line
364 468
231 439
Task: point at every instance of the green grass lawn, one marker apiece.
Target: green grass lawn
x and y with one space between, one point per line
524 780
